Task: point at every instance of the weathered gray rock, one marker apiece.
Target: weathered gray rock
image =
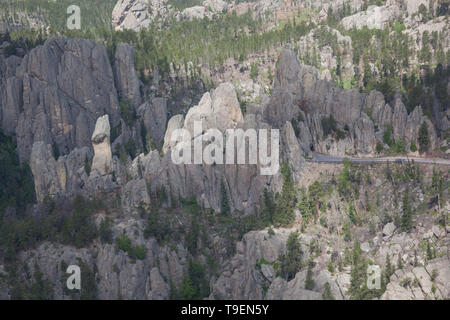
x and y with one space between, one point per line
389 229
268 271
375 17
157 289
292 150
176 122
65 176
292 290
132 14
241 280
365 246
196 12
44 168
155 118
126 80
429 282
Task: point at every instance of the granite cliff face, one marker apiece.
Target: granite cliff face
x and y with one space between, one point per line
56 93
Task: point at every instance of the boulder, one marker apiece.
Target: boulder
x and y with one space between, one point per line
389 229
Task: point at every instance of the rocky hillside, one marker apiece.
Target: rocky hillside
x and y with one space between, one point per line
87 176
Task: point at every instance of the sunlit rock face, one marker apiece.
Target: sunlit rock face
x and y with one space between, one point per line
102 162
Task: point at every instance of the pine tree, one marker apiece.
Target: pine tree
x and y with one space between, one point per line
309 281
327 294
358 277
406 212
389 269
315 192
304 206
424 139
225 205
286 201
352 213
268 207
291 261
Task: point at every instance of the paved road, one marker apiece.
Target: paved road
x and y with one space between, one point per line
317 157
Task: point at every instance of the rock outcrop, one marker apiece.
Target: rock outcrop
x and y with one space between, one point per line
375 17
420 283
133 14
127 82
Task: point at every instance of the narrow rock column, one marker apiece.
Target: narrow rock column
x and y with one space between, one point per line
102 162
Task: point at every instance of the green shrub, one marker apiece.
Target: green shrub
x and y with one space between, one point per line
140 252
123 242
327 294
291 261
105 231
387 136
79 229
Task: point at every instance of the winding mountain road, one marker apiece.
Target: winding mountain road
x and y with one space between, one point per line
322 158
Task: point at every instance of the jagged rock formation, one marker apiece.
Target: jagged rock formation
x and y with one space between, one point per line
219 110
299 93
55 94
62 177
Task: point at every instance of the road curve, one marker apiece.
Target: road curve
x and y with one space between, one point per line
322 158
